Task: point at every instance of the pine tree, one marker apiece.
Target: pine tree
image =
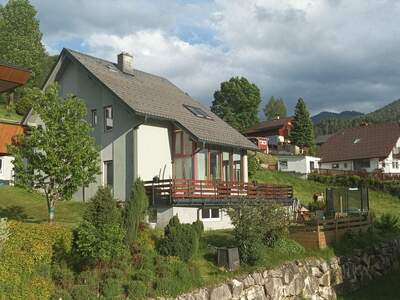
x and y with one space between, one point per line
302 133
135 213
275 108
20 39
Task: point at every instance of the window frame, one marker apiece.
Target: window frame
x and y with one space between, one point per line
198 112
210 213
105 108
105 174
94 117
1 166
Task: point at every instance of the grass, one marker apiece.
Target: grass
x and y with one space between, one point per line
385 287
8 115
380 202
17 203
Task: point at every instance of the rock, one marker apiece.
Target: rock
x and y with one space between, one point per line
327 293
221 292
315 271
201 294
276 273
273 288
295 287
255 293
236 288
325 279
258 278
248 281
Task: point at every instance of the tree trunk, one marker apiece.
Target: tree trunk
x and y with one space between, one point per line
51 210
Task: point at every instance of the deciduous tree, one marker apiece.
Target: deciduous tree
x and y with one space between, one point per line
237 102
60 156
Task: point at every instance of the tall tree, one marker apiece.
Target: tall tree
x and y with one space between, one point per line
60 156
275 108
302 133
20 38
237 102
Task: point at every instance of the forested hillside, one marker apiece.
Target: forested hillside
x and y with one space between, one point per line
388 113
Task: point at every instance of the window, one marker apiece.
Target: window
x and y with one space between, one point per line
395 164
198 112
356 141
361 164
210 214
283 164
215 165
108 173
226 166
335 166
202 165
94 118
345 165
183 162
1 166
108 118
237 173
312 165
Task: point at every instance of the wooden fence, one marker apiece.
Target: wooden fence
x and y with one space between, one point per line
325 232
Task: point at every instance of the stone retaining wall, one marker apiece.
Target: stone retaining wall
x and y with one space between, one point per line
310 278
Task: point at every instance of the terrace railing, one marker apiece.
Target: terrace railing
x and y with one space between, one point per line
207 192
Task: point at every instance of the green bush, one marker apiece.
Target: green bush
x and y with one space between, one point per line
198 226
79 292
61 294
62 276
257 224
289 247
179 240
137 290
112 289
254 165
388 223
100 237
135 211
25 257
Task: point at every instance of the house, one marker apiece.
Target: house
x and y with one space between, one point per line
8 131
367 148
11 77
147 127
277 132
301 164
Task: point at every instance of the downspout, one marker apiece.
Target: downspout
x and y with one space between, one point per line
135 148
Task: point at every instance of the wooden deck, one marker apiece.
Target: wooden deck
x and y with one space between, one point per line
326 232
188 192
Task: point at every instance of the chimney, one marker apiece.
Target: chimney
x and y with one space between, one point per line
125 62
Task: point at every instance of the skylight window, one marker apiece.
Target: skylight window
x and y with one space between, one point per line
198 112
356 141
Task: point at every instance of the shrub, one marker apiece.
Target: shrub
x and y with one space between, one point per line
254 165
388 223
135 212
25 256
83 292
137 290
100 237
62 276
198 226
257 224
112 289
289 247
61 294
179 240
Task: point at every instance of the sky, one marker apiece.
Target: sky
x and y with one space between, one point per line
336 54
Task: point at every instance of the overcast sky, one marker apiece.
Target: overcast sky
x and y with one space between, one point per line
338 55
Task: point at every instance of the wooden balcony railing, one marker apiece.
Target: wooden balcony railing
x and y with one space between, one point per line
204 192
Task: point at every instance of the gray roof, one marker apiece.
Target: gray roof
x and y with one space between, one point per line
158 98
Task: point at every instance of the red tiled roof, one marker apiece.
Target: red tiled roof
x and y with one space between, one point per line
372 141
270 124
7 133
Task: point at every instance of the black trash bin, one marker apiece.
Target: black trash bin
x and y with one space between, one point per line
228 258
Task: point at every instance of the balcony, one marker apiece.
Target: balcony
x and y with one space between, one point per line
198 193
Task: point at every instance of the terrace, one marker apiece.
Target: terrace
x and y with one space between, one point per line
198 193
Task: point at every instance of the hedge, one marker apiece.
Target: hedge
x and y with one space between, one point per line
392 187
25 259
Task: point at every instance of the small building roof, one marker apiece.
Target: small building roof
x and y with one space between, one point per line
8 132
12 77
369 141
270 124
156 97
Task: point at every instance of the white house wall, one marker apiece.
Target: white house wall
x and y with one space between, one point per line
298 164
154 152
6 172
188 215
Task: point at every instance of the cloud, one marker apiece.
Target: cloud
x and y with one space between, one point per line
336 54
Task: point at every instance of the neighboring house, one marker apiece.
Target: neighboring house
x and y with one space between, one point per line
147 127
367 148
321 139
11 77
8 132
302 164
261 143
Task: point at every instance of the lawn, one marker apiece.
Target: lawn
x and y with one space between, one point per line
19 204
380 202
8 115
380 288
